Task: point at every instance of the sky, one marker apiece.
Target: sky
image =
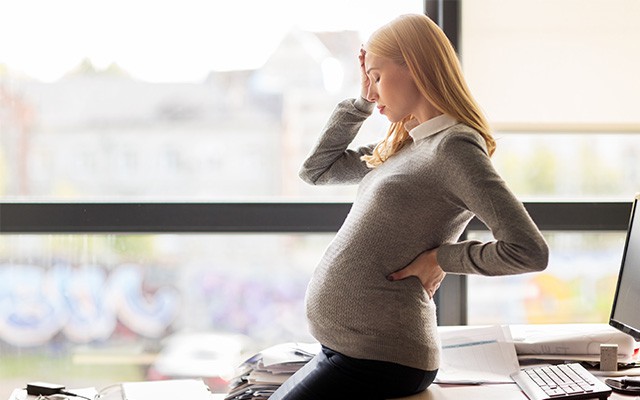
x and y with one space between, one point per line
170 40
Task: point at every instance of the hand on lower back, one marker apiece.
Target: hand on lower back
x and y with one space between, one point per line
424 267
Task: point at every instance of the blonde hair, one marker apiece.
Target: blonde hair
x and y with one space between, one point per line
416 41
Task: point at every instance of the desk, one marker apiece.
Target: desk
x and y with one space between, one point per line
435 392
499 391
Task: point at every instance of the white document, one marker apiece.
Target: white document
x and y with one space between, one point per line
262 377
192 389
288 353
475 355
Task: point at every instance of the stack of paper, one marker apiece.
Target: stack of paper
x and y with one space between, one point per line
576 342
262 374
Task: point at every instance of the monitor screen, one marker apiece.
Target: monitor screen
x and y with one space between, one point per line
625 312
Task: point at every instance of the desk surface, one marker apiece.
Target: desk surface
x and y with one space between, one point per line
502 391
506 391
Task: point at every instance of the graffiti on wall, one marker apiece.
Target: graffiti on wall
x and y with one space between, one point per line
84 304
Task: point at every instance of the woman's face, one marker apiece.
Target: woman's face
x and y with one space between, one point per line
392 88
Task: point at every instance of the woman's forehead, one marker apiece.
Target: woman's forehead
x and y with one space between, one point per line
373 61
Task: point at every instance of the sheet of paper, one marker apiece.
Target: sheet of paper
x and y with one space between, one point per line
475 355
256 377
289 353
192 389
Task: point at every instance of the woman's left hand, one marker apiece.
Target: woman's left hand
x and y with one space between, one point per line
364 77
424 267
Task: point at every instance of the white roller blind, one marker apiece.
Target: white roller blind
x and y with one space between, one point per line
554 61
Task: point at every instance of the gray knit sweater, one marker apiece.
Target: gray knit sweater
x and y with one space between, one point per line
419 199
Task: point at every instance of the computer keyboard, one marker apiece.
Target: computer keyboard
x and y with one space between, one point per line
563 381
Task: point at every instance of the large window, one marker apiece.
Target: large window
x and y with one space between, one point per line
175 99
558 81
195 100
577 286
209 101
109 308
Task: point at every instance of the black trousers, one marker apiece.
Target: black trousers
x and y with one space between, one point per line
333 376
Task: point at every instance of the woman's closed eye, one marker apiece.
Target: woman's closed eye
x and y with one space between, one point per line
374 76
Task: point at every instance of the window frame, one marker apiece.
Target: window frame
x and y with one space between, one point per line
225 218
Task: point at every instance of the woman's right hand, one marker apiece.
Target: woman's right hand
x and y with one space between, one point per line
426 268
364 78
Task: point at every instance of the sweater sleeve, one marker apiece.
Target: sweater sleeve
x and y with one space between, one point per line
519 246
330 161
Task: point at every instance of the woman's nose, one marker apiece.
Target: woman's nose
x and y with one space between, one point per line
372 94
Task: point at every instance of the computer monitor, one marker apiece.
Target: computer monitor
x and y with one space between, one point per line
625 312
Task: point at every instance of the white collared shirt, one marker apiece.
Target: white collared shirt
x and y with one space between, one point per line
432 126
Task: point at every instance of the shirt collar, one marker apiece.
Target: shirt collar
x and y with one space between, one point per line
432 126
